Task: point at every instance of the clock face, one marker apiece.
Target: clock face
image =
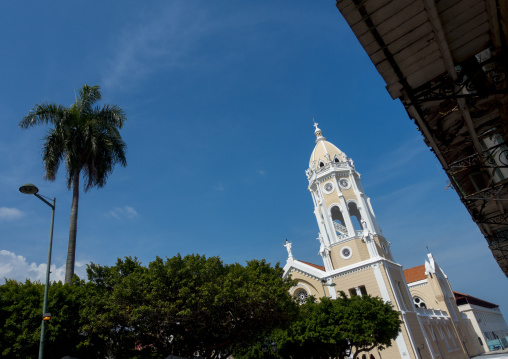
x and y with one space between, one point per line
346 253
344 183
328 187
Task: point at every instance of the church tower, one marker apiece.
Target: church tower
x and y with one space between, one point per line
348 229
356 256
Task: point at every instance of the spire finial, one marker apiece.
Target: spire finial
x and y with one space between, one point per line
318 131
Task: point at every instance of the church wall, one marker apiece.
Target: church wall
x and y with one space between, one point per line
400 288
380 249
390 291
396 302
362 276
425 293
359 253
471 338
417 333
309 283
365 277
349 194
388 353
434 297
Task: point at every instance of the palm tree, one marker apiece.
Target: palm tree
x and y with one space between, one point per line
87 138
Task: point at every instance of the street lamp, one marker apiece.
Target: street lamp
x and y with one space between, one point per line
348 349
323 283
32 189
271 344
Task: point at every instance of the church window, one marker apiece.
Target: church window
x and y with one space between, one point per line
419 303
364 356
301 295
321 164
355 212
336 159
338 219
357 291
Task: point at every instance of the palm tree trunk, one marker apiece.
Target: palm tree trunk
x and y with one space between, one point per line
71 251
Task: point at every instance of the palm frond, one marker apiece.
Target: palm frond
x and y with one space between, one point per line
52 154
47 113
88 96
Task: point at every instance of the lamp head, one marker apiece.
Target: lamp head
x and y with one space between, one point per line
28 188
274 347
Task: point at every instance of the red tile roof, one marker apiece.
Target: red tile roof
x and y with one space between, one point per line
314 265
415 274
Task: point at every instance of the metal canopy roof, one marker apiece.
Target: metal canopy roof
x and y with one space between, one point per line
447 60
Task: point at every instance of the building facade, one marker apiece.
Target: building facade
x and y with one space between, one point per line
357 260
487 320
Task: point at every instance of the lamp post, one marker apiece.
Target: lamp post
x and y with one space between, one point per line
323 283
32 189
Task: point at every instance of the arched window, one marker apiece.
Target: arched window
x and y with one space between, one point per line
338 219
321 164
354 212
372 356
336 159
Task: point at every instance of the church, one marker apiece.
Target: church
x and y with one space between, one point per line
358 261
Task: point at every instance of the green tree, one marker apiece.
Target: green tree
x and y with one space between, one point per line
322 330
87 138
20 319
183 305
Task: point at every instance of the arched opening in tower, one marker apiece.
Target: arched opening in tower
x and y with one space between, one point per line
338 221
354 212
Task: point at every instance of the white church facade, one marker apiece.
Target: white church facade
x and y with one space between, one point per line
357 260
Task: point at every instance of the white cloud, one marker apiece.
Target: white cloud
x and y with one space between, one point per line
162 40
16 267
123 212
10 214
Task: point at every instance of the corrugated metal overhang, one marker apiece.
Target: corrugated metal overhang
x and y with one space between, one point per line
446 60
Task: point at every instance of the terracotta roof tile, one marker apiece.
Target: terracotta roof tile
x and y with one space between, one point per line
314 265
415 274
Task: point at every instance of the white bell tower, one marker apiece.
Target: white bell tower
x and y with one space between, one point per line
343 211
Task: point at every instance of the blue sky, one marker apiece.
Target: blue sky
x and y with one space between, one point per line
220 98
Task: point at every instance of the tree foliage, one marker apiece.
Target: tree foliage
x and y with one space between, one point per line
86 138
21 315
179 305
322 329
185 305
